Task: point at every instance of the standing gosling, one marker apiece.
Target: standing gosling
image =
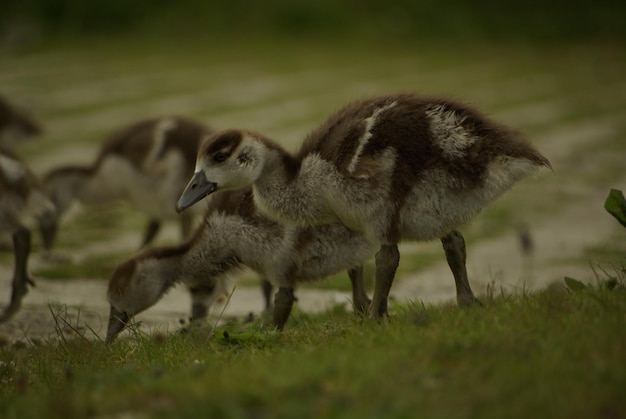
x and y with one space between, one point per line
396 167
21 199
146 163
233 234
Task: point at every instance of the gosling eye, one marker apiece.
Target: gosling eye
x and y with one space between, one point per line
220 156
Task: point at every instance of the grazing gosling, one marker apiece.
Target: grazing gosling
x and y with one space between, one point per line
146 163
233 234
15 125
22 198
396 167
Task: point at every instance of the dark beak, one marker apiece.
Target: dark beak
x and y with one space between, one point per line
117 322
198 188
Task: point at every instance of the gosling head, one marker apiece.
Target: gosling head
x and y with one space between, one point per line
227 160
136 284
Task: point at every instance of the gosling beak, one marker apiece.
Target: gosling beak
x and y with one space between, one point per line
117 322
198 188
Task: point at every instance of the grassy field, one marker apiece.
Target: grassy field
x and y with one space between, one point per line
557 353
551 353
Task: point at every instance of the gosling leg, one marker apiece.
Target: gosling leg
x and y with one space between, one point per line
387 260
283 303
454 246
360 300
268 290
21 280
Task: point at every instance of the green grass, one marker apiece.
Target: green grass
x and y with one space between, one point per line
552 354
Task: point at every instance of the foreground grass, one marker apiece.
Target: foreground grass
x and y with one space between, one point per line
552 354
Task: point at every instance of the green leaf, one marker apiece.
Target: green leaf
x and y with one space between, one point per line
615 204
574 284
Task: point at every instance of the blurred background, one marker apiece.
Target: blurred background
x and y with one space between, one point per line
38 21
554 70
